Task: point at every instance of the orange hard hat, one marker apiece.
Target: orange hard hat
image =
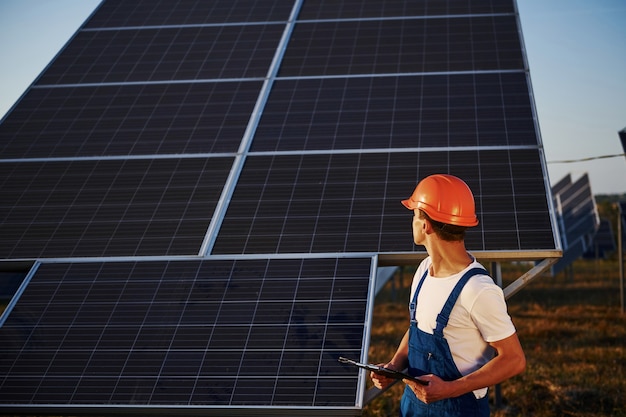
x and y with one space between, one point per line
444 198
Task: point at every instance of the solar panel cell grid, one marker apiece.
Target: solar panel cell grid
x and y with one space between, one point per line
166 54
350 203
397 112
119 13
129 120
332 9
86 350
115 207
403 46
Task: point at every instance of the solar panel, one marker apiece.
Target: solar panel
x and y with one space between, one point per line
349 202
397 112
187 118
212 334
577 216
111 207
120 13
166 54
346 9
603 242
206 190
382 46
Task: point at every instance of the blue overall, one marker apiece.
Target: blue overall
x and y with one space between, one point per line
430 354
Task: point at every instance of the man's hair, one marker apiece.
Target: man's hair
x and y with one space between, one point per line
445 231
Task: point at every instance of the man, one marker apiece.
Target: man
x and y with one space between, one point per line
461 339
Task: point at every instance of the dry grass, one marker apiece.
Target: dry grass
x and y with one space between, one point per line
573 333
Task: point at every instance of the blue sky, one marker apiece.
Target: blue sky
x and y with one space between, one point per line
576 50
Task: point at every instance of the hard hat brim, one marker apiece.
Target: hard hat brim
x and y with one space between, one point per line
408 203
457 221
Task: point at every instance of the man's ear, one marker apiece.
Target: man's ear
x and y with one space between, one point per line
428 227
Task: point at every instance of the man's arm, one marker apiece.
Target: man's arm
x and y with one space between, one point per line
509 361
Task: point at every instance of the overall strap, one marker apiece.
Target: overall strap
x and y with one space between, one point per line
444 316
413 305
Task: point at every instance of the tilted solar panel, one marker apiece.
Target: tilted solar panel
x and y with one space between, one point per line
166 54
397 112
109 120
603 243
577 218
350 202
403 46
209 334
577 209
121 13
350 9
136 207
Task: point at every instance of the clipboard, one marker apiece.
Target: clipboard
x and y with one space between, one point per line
389 373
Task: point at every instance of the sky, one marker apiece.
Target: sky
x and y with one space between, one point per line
576 50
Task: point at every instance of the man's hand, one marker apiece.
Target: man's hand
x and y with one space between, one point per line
381 381
437 388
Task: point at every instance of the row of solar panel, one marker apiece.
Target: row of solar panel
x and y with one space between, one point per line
311 203
322 114
315 49
189 12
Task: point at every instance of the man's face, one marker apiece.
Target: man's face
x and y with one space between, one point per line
418 228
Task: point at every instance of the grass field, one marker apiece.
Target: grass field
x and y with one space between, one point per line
572 331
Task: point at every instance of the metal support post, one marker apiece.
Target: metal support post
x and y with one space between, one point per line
620 255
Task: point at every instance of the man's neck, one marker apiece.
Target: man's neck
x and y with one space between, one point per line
448 258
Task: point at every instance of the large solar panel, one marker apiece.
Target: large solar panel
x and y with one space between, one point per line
349 202
165 54
142 13
210 334
200 193
111 207
357 9
399 111
130 119
380 46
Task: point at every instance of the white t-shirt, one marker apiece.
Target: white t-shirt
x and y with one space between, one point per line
478 317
